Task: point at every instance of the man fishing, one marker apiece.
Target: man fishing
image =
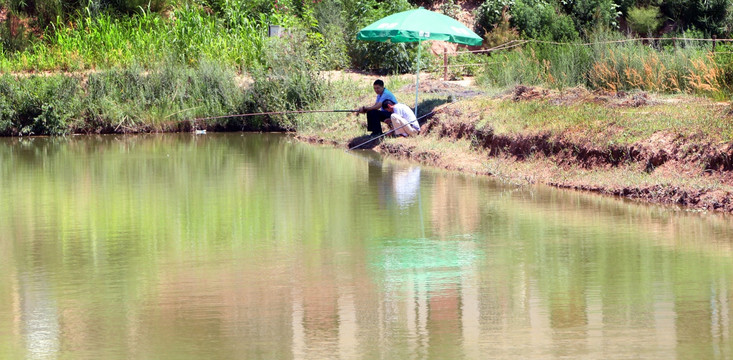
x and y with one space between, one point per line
402 119
376 113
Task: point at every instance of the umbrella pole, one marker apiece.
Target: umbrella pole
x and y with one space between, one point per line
417 80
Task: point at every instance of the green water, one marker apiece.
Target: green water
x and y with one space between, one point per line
256 246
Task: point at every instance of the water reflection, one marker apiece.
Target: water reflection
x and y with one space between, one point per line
253 246
406 185
40 318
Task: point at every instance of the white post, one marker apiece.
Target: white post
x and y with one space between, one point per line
417 82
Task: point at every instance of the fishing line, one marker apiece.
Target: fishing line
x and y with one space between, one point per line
195 120
268 113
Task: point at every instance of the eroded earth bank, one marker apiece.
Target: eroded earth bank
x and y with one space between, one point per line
666 150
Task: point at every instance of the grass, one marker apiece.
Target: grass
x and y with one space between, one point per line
119 100
104 41
163 96
688 67
601 124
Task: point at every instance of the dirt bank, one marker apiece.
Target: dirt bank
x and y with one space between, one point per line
674 165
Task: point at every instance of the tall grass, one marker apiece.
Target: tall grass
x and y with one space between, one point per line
121 100
166 96
104 41
689 67
289 81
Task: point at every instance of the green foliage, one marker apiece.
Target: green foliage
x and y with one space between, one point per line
726 27
502 33
556 66
450 8
38 105
289 82
373 56
625 5
246 7
108 41
724 59
489 14
644 20
46 12
328 42
132 98
710 16
126 100
591 14
132 6
14 36
540 19
330 48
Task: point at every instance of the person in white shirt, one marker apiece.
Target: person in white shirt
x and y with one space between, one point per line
402 115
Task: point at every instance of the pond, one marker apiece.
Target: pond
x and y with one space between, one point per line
243 246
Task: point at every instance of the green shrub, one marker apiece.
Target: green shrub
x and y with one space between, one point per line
540 19
726 26
588 15
502 33
38 105
710 16
13 35
489 15
107 41
385 58
330 48
614 66
644 20
450 8
290 82
132 6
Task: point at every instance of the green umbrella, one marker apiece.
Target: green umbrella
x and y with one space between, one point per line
417 26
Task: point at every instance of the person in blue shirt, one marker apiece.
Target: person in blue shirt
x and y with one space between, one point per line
376 113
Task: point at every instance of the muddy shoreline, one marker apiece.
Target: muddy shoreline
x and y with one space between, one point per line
700 171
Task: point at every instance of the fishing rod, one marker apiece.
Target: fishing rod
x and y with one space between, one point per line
389 132
308 112
269 113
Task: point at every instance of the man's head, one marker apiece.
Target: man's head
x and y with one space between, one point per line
378 86
388 105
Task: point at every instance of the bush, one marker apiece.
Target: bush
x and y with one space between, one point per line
644 20
289 82
13 35
489 15
133 6
450 8
108 41
330 48
502 33
588 15
541 20
38 105
384 58
710 16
